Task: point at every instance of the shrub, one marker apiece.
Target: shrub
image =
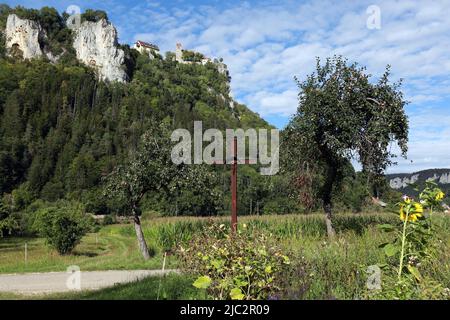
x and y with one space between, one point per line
21 197
246 265
63 227
94 15
94 201
192 56
8 221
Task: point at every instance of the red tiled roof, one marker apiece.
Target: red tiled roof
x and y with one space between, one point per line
147 45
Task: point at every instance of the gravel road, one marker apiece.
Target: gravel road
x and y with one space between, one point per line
51 282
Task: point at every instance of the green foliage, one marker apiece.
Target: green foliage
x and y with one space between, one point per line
203 282
243 266
198 193
192 56
5 10
24 13
82 173
414 243
355 193
432 196
94 15
21 197
62 226
319 269
8 222
61 130
172 235
94 201
150 169
51 22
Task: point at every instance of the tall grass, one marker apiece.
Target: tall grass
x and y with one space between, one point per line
323 269
169 233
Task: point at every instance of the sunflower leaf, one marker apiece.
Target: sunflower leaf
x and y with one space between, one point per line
390 249
415 272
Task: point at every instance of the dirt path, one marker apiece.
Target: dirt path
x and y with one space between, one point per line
51 282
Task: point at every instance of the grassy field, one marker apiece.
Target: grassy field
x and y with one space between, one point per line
334 269
114 246
108 249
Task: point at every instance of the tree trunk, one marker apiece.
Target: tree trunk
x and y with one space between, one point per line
327 195
328 213
140 237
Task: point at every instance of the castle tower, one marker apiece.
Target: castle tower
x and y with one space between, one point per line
179 53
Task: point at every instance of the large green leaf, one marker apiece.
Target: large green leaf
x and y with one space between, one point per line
216 263
415 272
236 294
202 282
390 249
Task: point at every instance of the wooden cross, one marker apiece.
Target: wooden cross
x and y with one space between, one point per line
234 163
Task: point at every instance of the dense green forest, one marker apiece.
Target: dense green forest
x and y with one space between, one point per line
62 130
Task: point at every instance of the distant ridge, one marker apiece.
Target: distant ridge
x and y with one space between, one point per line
402 181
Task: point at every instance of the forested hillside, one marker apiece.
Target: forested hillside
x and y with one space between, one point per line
62 130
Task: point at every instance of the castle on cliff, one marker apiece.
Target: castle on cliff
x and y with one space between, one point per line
95 44
181 55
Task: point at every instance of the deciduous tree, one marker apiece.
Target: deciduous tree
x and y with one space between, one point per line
343 116
150 169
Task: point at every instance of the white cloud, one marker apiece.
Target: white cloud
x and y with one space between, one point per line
270 103
429 142
266 44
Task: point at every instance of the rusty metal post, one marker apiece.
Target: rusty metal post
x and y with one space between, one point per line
234 187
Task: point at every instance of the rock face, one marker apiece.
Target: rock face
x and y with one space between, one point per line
23 35
399 183
96 46
402 181
445 178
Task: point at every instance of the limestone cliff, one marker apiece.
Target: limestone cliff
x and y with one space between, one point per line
23 37
96 45
402 181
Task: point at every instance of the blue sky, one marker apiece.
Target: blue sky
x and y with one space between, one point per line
266 43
